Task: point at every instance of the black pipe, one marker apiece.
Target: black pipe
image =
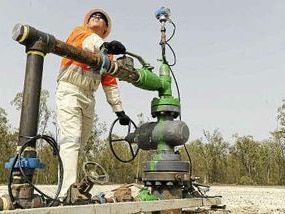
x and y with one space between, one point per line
29 123
31 97
27 35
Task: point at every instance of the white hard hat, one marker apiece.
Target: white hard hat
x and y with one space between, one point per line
109 21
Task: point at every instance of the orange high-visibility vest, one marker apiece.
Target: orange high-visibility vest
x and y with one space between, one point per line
76 39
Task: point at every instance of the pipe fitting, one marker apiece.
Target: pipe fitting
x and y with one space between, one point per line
6 203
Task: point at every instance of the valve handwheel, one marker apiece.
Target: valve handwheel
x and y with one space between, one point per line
133 148
95 172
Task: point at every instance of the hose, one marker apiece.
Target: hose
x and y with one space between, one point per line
53 144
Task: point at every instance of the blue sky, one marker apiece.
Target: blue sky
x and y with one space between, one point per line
230 57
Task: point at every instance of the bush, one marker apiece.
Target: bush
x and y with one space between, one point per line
245 180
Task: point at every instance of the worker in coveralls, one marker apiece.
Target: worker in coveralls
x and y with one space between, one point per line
77 82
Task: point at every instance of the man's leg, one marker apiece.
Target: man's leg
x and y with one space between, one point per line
69 156
87 123
69 118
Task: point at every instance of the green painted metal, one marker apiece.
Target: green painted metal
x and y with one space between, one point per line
148 80
161 145
156 103
165 101
153 164
145 195
165 92
165 79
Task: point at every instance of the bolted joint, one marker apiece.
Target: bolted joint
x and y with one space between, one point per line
124 69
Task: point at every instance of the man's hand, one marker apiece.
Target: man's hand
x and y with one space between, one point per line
114 47
123 118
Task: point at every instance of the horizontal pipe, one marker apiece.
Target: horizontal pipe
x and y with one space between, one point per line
27 35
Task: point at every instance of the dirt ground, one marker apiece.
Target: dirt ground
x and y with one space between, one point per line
238 199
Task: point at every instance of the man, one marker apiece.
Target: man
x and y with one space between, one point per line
77 83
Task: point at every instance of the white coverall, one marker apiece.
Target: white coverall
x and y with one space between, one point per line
75 102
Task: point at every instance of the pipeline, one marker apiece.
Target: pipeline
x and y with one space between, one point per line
165 173
34 39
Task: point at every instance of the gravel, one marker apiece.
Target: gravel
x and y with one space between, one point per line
238 199
251 199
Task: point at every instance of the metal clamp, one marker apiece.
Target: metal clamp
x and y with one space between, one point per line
106 61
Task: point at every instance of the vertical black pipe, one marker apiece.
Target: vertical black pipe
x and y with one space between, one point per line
31 97
21 190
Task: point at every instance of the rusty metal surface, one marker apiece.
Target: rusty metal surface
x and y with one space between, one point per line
123 194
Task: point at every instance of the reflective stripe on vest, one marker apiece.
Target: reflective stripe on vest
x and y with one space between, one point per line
76 39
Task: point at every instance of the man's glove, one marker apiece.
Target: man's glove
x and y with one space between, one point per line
114 47
123 118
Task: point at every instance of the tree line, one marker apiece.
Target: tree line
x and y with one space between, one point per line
245 161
